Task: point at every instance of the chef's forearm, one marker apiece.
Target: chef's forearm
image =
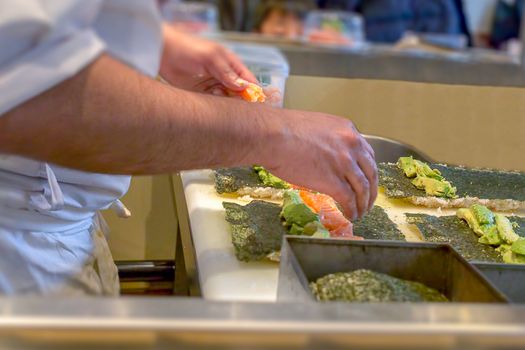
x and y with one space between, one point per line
110 119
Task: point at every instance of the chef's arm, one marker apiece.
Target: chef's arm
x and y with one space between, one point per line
110 119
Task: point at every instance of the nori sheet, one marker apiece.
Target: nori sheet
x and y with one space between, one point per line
230 180
456 232
377 225
257 228
480 183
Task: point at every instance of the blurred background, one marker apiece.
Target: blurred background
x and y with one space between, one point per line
444 23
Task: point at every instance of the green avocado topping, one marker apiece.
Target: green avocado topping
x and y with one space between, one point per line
425 178
299 218
518 247
482 214
509 256
495 230
506 229
490 236
269 179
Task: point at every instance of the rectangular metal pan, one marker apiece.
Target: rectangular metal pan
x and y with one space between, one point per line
508 278
436 265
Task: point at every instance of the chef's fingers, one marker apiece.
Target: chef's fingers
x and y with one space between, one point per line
273 96
221 70
206 84
240 68
211 86
228 72
360 186
369 148
346 197
369 168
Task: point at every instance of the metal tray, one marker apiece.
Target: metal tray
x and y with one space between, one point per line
508 278
389 151
436 265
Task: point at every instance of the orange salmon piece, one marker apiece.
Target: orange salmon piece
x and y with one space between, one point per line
252 93
329 214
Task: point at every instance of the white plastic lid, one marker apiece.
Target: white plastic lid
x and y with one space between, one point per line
261 59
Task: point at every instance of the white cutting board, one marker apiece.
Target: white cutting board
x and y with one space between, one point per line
222 276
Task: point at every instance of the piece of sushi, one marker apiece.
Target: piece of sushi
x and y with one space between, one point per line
245 182
257 229
456 232
497 190
329 214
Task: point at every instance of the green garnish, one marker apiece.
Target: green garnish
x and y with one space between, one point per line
518 247
270 180
425 178
495 230
299 218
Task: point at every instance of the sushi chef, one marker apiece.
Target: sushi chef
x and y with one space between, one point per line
80 110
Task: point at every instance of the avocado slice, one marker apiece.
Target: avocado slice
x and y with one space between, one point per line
506 229
435 187
495 230
316 229
270 180
295 230
299 218
490 235
408 165
423 169
467 215
509 257
518 247
482 214
481 221
426 178
295 211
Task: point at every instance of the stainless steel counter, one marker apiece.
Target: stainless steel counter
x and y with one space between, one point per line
470 67
163 322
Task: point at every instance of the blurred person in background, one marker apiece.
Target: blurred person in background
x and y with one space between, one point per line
386 21
281 18
235 15
506 25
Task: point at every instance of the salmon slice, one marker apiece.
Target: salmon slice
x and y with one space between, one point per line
329 214
252 92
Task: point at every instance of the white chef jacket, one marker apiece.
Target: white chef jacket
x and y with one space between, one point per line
48 214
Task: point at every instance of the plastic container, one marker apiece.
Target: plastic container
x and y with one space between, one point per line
195 17
268 65
334 28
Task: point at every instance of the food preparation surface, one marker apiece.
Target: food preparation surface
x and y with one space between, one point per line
222 276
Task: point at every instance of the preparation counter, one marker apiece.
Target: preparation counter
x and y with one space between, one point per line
193 323
217 274
204 323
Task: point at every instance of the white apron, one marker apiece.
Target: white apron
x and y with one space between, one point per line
52 240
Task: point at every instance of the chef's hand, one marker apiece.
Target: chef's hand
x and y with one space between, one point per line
200 65
327 154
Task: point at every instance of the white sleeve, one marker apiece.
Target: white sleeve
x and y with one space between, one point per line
42 43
